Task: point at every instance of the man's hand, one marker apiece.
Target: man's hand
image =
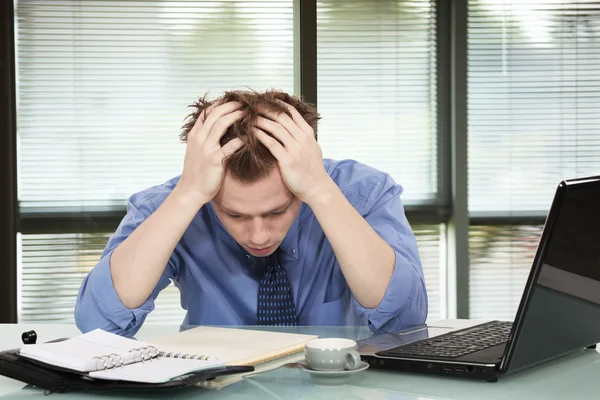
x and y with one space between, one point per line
300 157
138 263
203 164
366 260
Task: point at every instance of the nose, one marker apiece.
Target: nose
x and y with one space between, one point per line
259 233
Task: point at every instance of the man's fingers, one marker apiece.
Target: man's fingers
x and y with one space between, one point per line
201 118
301 122
221 125
277 130
216 114
204 114
232 146
270 143
284 120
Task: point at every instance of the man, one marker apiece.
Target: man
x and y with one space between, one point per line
260 229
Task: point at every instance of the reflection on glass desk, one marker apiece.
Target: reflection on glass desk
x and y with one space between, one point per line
576 376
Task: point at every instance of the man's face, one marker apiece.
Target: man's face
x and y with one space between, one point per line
258 215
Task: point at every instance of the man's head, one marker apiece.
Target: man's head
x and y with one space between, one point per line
253 161
253 203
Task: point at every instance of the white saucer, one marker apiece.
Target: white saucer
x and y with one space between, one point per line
335 377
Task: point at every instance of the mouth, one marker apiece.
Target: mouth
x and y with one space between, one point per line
262 251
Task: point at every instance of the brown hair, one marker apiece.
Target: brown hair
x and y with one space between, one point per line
253 161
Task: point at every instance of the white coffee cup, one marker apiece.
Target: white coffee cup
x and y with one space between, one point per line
332 354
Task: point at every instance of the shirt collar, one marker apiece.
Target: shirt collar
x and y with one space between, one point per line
289 245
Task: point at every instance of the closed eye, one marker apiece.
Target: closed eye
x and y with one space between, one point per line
271 214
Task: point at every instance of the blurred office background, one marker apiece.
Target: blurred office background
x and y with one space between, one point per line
477 107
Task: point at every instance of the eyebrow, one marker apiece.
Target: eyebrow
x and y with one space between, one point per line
280 208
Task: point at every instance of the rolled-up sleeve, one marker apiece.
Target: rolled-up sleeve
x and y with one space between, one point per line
405 300
98 305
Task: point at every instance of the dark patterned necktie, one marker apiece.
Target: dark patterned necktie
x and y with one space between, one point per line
275 299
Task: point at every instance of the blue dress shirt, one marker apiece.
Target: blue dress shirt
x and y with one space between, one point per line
218 280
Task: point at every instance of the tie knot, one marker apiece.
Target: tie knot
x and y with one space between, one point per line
273 259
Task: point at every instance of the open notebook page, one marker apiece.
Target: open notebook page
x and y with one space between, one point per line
78 353
233 346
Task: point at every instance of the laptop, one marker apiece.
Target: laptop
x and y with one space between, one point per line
559 311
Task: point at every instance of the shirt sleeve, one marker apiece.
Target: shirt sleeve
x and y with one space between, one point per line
405 300
98 305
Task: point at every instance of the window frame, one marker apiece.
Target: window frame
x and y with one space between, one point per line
8 166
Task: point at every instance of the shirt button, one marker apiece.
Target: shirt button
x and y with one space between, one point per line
293 251
247 257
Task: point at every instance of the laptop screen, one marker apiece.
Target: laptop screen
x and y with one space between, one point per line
560 310
572 261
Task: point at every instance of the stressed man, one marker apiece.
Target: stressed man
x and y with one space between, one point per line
259 229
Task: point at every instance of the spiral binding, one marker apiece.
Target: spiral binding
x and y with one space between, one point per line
114 360
110 361
147 353
185 356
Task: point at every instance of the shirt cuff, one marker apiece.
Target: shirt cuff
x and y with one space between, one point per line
129 320
404 303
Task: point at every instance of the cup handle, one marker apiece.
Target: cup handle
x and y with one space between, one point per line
353 360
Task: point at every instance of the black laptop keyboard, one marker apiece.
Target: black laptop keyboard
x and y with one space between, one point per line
456 344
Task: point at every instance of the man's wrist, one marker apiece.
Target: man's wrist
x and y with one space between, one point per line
323 194
187 198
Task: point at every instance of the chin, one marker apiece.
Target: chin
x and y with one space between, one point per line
263 253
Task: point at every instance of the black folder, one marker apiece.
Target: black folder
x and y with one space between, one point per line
58 379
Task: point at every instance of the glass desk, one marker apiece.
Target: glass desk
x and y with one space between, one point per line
572 377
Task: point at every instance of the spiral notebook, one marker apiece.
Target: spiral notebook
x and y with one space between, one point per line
104 355
262 349
235 346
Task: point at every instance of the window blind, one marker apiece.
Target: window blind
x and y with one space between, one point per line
52 269
102 91
500 260
534 100
376 68
103 87
533 112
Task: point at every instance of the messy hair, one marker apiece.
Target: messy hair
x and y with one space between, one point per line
253 161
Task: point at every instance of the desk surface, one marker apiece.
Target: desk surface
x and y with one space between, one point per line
576 376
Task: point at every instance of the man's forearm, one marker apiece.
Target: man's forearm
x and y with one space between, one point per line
137 264
365 259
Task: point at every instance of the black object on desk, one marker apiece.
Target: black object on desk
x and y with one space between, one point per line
29 337
57 379
559 312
